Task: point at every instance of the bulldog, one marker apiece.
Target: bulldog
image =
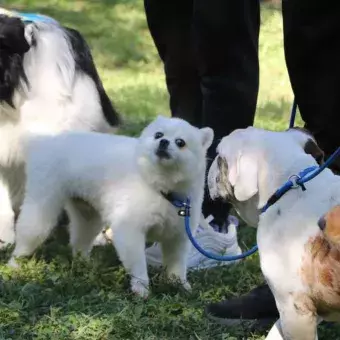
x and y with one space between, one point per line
299 265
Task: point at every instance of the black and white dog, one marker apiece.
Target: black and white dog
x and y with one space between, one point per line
48 84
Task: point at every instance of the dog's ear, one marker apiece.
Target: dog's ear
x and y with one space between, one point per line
243 176
12 35
311 148
307 141
207 137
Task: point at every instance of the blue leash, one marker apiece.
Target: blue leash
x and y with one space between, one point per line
295 181
204 252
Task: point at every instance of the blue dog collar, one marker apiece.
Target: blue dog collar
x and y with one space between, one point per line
33 17
28 17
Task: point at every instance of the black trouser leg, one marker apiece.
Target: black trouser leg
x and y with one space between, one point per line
169 22
225 34
311 30
209 47
312 49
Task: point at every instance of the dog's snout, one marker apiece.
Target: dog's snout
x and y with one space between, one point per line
163 144
322 223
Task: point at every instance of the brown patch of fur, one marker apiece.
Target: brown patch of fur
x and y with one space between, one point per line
320 271
311 148
335 255
225 189
304 304
332 226
326 277
319 247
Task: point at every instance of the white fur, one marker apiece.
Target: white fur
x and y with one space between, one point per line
259 162
58 98
120 179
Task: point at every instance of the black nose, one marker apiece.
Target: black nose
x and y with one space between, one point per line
322 223
163 144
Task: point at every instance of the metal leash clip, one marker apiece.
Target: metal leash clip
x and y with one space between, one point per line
184 210
294 179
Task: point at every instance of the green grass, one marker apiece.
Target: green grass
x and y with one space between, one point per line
55 297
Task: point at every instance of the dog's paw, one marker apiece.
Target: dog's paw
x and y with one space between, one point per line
187 286
104 238
139 288
179 281
7 234
13 263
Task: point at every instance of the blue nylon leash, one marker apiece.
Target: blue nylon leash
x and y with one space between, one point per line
204 252
295 181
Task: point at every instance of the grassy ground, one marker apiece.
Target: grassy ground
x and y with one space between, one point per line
53 297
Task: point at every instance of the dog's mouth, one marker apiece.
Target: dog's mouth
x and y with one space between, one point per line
163 154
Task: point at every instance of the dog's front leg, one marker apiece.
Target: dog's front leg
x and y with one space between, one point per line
130 246
296 322
276 332
175 254
7 234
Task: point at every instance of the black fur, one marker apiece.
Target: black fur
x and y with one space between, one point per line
13 46
85 63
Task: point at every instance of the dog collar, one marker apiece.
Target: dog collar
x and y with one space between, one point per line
294 182
28 17
34 17
178 202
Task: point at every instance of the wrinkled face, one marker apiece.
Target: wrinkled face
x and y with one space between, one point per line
218 180
329 224
246 159
233 173
172 144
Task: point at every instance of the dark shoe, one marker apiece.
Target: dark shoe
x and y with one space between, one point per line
256 307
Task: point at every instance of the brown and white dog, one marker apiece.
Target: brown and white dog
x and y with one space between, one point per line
297 260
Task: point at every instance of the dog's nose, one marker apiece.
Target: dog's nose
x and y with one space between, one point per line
163 144
322 223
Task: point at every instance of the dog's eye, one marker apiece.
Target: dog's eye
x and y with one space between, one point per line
159 135
180 142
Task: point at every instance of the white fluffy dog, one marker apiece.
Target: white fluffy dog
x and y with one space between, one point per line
48 84
121 182
298 266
